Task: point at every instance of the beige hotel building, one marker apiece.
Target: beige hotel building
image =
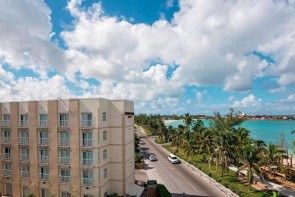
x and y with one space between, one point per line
67 148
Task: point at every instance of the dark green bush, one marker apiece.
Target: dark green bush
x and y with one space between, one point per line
162 191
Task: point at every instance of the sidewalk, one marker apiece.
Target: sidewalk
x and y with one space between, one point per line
270 185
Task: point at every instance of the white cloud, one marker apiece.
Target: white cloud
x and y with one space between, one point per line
29 88
169 3
25 36
199 96
248 102
211 42
5 75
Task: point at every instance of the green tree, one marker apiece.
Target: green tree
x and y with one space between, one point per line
251 159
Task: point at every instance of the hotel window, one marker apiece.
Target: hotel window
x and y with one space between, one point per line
24 154
7 189
43 155
105 173
6 137
7 169
87 177
87 139
86 120
44 193
23 137
43 172
24 120
105 154
25 171
63 120
104 116
65 194
64 175
6 120
64 156
104 135
87 157
6 153
43 138
43 118
64 138
25 191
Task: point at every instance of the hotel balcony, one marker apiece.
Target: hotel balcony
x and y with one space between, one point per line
64 142
86 124
43 123
63 123
7 172
5 123
23 123
64 160
43 159
6 156
86 143
24 174
43 141
24 157
6 140
87 181
64 179
24 140
43 176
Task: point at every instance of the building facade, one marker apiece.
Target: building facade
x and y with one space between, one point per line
75 147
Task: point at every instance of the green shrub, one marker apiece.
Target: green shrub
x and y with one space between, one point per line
162 191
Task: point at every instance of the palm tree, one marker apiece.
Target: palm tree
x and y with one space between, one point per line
177 136
187 122
272 155
191 148
225 128
251 159
206 144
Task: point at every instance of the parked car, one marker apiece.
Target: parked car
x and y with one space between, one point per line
153 158
173 158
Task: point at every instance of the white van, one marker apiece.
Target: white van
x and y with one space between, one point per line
173 158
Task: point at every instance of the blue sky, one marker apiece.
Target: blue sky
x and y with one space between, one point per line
168 56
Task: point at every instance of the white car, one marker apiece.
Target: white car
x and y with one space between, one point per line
153 158
173 158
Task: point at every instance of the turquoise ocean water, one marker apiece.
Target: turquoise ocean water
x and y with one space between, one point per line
266 130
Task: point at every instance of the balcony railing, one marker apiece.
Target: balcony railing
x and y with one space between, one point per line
64 160
24 157
6 140
43 176
43 141
5 123
23 140
64 142
87 162
63 123
86 123
6 156
64 179
42 123
87 181
43 159
86 142
23 123
6 172
24 174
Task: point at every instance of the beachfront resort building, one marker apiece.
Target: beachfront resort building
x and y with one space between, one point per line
63 148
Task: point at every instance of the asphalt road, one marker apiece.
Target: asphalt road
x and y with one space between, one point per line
178 179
